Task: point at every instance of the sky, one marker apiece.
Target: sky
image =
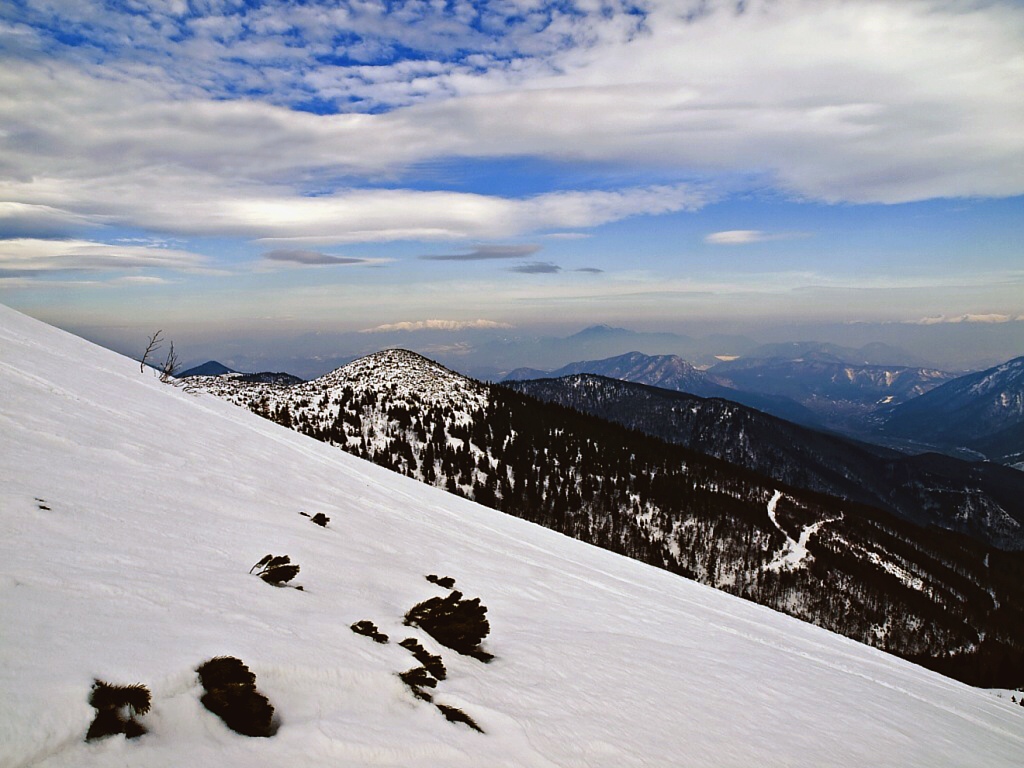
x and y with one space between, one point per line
234 170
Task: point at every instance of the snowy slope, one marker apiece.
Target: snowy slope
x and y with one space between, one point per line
159 500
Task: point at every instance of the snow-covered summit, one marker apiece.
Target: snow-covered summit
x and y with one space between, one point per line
131 512
402 373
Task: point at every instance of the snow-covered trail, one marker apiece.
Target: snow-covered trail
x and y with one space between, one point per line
158 502
794 552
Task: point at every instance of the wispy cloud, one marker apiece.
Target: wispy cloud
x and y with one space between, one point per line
991 318
311 258
437 325
486 253
536 268
28 256
589 270
25 220
748 236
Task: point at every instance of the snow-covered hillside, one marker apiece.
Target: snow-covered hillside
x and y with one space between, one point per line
131 512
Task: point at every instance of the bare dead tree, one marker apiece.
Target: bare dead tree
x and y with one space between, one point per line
170 366
154 344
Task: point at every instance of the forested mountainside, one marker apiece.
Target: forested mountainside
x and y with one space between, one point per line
980 413
675 373
980 499
936 597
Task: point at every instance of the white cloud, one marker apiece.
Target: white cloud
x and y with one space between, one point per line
28 256
867 101
437 325
988 319
205 204
747 236
141 280
736 237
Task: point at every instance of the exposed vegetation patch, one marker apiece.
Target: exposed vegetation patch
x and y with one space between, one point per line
231 695
456 715
368 628
455 623
442 581
116 707
319 518
276 570
417 679
430 661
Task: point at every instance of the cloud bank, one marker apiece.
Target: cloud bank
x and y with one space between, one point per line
437 325
827 100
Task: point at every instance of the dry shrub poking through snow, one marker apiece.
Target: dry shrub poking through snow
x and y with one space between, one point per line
431 662
231 695
368 628
116 707
275 570
417 679
456 715
442 581
455 623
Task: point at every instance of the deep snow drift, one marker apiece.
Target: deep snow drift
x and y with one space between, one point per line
131 512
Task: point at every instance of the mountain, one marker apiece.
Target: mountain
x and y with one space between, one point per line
981 412
853 569
215 369
209 368
131 512
982 500
592 343
873 354
675 373
842 394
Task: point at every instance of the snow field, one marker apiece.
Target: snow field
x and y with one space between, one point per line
161 500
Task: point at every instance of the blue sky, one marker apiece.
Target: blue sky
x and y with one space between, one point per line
221 167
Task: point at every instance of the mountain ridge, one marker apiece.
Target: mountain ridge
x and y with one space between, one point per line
981 411
917 488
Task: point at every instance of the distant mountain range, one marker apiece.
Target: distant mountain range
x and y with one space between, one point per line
841 393
815 388
852 568
975 416
980 413
875 353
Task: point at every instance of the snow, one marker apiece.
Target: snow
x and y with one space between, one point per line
158 500
794 553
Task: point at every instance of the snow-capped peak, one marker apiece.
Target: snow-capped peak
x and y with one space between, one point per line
404 373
